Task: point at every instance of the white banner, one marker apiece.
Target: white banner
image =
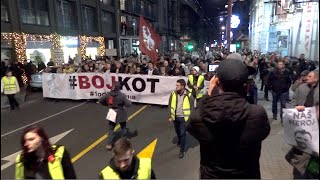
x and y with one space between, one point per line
138 88
301 129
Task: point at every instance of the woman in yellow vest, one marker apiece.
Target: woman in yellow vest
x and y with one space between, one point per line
10 87
125 165
40 160
196 83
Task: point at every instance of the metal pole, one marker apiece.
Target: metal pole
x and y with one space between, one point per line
228 26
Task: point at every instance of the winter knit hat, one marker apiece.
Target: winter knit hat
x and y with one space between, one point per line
196 68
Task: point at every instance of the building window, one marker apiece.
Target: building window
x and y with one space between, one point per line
107 2
129 25
34 12
123 27
150 11
66 14
123 5
142 8
4 11
135 27
108 22
90 19
134 6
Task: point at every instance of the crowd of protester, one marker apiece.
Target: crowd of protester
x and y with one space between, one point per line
166 65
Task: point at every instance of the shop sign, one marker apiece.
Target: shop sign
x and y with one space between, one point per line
111 52
58 56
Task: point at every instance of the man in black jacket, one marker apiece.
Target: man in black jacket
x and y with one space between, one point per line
229 129
279 82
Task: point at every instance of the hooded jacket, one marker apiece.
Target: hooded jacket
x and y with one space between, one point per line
120 101
230 132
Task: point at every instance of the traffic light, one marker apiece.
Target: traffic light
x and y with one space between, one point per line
190 47
238 45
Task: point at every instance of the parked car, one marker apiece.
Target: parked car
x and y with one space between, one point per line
36 79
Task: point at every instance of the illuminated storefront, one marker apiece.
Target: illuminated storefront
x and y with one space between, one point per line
288 27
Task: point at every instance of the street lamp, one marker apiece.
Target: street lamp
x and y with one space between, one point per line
221 18
223 28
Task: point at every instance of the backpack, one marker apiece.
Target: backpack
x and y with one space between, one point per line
110 100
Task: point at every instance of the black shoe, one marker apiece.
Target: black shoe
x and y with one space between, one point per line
133 134
181 154
275 117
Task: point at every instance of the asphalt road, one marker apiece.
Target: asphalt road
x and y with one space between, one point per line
87 123
86 140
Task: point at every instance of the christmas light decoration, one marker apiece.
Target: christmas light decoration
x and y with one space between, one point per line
102 47
83 45
84 41
20 43
55 39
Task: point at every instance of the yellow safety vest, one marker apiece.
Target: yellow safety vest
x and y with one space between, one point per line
55 168
199 83
9 84
144 171
186 106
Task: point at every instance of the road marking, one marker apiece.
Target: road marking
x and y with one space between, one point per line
89 148
22 105
148 151
3 135
12 157
28 102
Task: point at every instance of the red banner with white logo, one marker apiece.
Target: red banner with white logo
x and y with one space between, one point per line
149 40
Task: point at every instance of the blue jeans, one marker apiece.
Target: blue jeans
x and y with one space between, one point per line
180 127
112 126
278 96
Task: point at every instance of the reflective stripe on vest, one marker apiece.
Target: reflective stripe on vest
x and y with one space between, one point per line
185 106
199 83
9 84
144 171
55 168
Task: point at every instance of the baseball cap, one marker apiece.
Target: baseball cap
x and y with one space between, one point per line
232 73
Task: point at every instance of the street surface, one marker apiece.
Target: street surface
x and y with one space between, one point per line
82 128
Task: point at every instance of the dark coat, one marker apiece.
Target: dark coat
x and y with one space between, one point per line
120 101
279 82
230 132
154 72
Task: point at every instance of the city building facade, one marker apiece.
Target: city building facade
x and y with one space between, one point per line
82 28
288 27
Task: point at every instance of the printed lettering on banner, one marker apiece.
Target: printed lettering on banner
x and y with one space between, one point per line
143 89
301 129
